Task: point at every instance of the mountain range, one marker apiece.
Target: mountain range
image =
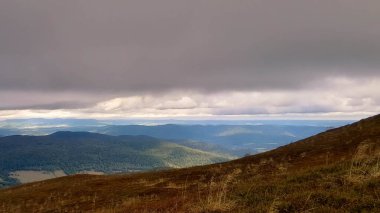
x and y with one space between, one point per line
238 139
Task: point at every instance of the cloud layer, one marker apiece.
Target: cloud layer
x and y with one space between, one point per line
185 57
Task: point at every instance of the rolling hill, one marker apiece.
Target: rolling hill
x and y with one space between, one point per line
238 139
334 171
82 152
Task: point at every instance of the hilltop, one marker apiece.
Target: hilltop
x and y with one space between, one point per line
334 171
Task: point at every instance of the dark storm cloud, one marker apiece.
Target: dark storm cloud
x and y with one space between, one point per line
117 45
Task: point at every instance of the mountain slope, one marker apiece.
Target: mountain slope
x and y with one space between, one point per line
335 171
75 152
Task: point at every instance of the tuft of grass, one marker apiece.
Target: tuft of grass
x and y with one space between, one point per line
217 195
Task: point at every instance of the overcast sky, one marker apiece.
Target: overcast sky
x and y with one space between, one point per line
189 59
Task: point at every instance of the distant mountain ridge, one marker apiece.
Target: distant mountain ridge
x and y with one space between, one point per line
239 139
242 138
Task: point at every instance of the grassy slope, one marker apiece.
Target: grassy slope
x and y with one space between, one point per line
335 171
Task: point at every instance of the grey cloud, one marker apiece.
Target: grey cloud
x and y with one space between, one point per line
15 100
148 46
48 106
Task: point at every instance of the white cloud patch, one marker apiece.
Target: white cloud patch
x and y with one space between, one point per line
337 98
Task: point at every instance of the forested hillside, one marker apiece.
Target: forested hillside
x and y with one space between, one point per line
74 152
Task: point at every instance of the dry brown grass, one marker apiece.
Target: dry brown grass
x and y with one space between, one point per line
217 197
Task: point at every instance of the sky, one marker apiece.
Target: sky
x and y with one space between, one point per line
199 59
